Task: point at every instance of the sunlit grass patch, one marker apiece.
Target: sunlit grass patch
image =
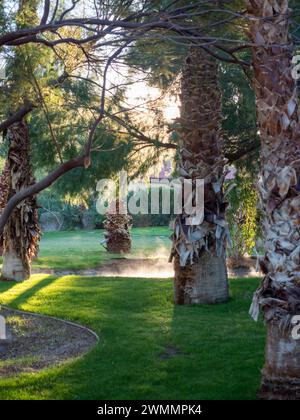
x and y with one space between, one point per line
219 349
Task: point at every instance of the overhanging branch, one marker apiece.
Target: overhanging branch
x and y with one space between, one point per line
78 162
18 116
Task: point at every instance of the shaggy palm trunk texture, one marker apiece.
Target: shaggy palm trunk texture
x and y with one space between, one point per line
117 235
279 185
4 189
22 232
199 250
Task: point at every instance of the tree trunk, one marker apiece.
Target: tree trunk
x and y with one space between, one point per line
117 236
281 372
279 186
200 250
13 267
4 189
22 233
202 282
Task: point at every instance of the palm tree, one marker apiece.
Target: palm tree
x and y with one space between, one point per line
117 236
277 111
22 233
199 251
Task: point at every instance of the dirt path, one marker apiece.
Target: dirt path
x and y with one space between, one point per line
34 342
146 268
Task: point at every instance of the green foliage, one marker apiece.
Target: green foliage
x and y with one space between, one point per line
239 125
72 207
243 215
69 211
2 18
144 220
20 62
65 107
162 58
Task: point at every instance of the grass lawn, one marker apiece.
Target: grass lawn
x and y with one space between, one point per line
220 348
82 249
148 349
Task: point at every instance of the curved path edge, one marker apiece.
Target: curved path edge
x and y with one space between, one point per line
37 315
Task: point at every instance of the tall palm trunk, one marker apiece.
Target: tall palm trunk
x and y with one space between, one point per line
4 189
21 234
199 250
277 112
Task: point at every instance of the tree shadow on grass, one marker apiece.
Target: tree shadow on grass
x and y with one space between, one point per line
6 285
19 298
123 312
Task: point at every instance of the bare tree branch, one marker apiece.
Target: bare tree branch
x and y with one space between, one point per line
78 162
46 12
18 116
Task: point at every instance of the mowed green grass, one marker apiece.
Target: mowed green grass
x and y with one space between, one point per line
221 348
75 250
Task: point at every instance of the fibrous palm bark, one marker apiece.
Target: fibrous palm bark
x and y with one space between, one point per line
22 233
4 189
278 118
117 235
199 250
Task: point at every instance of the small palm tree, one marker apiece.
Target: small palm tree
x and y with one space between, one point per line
117 235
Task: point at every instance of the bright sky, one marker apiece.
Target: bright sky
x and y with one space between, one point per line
138 95
140 92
